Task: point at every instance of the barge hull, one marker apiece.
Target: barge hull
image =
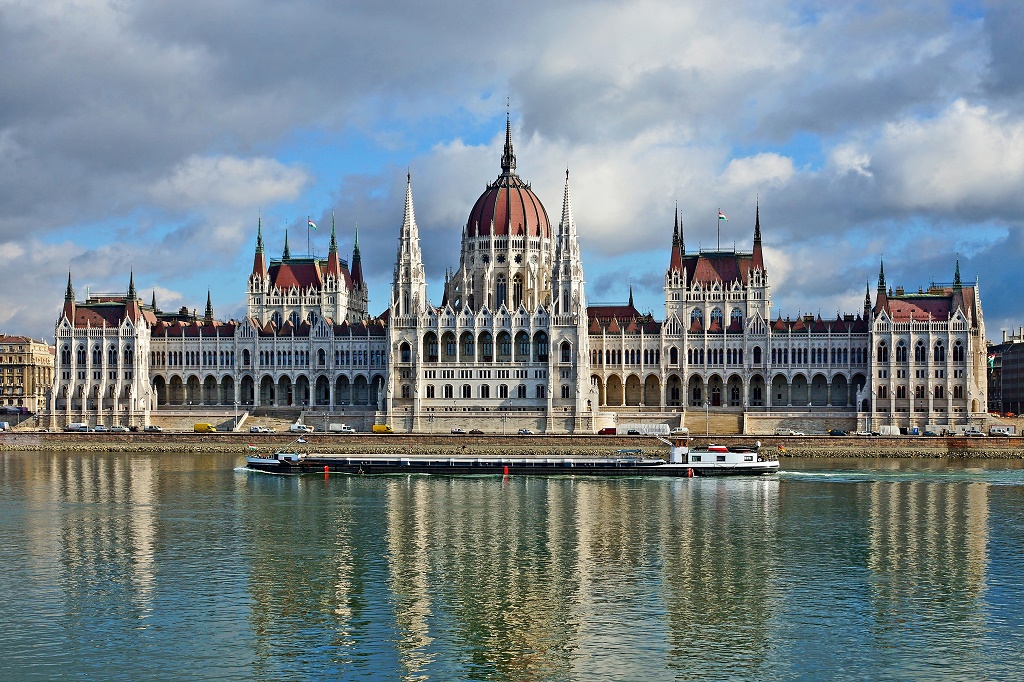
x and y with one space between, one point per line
539 467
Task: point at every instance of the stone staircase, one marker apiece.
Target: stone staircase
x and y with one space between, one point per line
727 423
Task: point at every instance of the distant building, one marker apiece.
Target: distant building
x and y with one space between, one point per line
26 372
1006 374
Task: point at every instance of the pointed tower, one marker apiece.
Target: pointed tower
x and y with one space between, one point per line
569 322
153 304
357 263
957 285
132 309
757 262
409 286
867 300
257 298
675 276
69 301
567 283
881 300
287 254
208 316
333 262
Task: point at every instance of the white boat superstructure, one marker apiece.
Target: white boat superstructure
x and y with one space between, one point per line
718 460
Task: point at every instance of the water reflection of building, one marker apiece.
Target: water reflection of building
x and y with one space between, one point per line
926 539
106 542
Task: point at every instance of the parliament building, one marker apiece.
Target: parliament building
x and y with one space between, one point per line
513 343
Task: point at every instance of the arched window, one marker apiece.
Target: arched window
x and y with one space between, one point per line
939 354
901 352
696 316
321 357
501 291
958 352
883 392
517 291
757 355
541 392
940 392
565 391
503 391
883 353
406 391
467 391
920 354
486 347
406 352
735 317
485 391
540 343
673 356
97 356
566 351
65 355
716 316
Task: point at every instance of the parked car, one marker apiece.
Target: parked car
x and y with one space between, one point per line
458 431
119 429
101 428
632 432
153 428
345 428
476 432
300 428
525 432
607 431
837 432
260 429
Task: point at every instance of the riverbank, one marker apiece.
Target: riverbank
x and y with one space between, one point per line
499 445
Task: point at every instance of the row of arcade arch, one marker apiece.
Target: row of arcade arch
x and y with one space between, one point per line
266 392
728 391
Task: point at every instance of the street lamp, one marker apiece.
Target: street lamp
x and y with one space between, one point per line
707 419
430 420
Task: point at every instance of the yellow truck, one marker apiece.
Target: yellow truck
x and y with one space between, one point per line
204 428
382 428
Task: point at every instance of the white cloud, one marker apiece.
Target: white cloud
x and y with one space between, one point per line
227 181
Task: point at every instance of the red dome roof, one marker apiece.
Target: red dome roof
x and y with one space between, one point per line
509 204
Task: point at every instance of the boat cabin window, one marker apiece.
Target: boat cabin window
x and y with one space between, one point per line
694 458
748 458
721 458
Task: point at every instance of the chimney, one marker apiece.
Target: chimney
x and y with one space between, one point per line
1004 336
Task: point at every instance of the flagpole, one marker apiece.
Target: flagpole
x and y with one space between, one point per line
308 251
718 219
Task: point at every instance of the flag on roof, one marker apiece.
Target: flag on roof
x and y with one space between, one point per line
310 223
721 216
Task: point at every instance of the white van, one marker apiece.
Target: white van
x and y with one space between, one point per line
77 426
300 428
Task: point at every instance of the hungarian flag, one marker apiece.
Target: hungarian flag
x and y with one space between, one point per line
310 223
251 446
721 216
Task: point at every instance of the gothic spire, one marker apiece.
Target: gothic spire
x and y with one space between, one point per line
153 304
867 299
209 307
334 243
508 158
131 286
568 224
287 253
881 275
357 262
957 285
259 234
631 295
675 228
69 293
757 222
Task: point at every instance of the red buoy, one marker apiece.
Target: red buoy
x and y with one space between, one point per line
689 472
506 470
326 468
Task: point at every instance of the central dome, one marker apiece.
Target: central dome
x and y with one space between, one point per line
508 207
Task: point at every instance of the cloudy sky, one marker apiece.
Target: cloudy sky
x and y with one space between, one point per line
150 136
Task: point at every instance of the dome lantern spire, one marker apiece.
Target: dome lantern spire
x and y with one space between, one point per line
508 158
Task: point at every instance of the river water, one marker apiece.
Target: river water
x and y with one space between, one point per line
174 567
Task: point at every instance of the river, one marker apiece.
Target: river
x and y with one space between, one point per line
179 566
